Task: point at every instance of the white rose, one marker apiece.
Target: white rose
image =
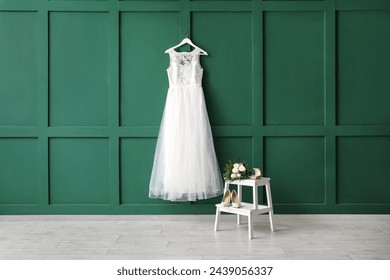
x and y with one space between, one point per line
238 175
235 170
242 168
233 176
236 165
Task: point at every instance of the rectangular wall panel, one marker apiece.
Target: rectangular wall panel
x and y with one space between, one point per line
18 68
136 157
78 68
78 171
296 166
294 68
144 83
363 170
233 148
363 83
227 78
19 166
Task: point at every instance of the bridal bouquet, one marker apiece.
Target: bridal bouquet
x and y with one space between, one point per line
236 171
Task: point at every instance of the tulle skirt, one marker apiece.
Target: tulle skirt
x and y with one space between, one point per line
185 166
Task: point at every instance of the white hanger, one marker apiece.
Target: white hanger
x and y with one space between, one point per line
187 41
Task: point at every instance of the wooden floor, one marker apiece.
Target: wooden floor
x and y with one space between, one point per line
302 237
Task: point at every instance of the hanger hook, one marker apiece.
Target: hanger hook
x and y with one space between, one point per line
185 34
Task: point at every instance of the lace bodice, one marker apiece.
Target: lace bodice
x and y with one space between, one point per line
184 68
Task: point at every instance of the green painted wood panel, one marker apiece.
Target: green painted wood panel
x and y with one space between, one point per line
298 88
144 81
19 166
78 171
296 166
363 170
227 78
233 148
78 68
18 68
363 84
294 68
136 158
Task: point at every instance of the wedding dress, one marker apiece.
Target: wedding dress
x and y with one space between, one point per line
185 166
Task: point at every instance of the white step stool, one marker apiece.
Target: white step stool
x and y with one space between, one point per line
248 209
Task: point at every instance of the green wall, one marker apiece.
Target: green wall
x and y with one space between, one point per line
298 88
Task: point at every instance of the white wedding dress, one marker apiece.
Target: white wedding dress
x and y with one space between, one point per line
185 166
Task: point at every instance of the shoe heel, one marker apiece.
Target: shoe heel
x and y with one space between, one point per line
235 200
226 199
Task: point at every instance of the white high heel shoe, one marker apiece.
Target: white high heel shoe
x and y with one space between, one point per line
226 199
235 200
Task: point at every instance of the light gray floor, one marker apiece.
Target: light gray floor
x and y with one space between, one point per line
302 237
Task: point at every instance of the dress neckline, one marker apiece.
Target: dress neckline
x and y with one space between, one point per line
185 52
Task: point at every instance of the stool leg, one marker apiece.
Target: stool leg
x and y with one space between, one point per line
271 211
239 190
250 226
217 214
